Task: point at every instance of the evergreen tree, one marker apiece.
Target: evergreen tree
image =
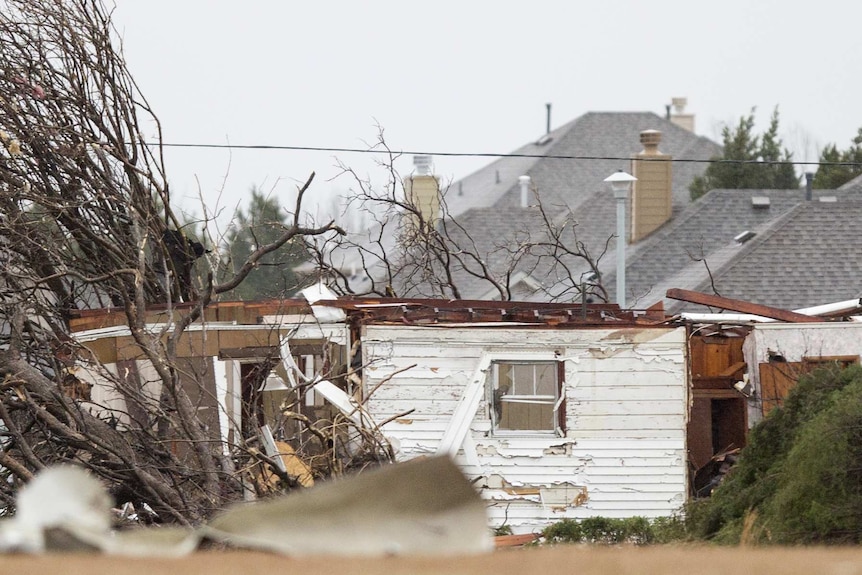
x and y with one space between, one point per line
262 222
758 161
829 175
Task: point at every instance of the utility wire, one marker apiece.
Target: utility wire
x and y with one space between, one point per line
488 154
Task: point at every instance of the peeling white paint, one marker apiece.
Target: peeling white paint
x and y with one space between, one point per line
624 443
561 449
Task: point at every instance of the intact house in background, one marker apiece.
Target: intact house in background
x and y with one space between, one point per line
784 248
787 249
536 225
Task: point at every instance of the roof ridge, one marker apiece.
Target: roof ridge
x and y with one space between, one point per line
851 183
699 140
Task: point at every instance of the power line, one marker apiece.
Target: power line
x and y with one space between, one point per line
383 151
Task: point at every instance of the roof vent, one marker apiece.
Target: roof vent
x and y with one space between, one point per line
524 182
545 139
650 140
744 236
828 199
761 202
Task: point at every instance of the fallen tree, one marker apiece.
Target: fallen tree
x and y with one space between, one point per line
86 222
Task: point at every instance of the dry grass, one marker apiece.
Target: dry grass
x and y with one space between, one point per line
668 560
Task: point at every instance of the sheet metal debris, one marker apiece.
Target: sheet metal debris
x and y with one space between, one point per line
425 506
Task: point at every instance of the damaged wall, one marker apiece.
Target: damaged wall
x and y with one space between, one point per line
210 359
622 447
777 353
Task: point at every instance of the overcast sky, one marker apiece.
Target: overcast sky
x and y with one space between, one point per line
469 76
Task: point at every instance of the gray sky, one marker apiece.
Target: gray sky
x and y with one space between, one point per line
469 76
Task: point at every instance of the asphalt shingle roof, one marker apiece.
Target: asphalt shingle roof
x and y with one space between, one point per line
705 226
810 257
789 235
855 184
573 181
487 202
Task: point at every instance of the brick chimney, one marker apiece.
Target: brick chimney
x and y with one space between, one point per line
679 117
422 191
652 195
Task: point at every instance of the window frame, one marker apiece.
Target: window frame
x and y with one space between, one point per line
558 401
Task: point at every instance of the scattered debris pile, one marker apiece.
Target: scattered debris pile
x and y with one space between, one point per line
710 476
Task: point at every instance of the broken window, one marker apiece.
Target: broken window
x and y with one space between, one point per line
525 396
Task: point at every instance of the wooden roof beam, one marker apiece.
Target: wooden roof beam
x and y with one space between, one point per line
739 306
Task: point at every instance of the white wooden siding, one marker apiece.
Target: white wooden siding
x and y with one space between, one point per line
626 398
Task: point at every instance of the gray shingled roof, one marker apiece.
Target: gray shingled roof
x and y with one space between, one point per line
487 202
855 184
706 225
707 229
810 257
572 181
495 233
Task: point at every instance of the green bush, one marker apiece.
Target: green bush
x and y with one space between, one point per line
564 531
791 483
611 531
669 529
818 498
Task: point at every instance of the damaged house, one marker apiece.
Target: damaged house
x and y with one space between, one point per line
744 362
551 410
551 414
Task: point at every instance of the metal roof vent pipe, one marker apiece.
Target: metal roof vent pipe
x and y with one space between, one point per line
524 182
809 181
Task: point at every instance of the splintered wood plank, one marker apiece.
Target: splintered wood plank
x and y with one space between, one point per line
739 306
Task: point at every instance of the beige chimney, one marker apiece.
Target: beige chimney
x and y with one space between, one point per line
679 117
652 195
422 191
